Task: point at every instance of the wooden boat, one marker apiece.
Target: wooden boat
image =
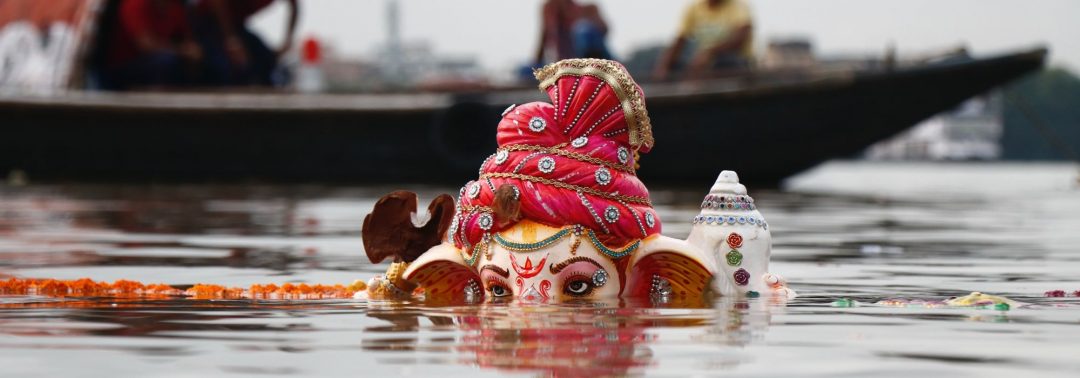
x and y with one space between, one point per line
767 127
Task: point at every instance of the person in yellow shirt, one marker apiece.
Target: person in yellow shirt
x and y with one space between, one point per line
721 33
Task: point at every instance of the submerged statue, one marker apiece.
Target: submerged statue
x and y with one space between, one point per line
558 213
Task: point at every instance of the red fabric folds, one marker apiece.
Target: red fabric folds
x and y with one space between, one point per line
565 158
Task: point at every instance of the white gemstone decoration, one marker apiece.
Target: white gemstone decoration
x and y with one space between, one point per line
596 217
624 155
508 109
603 176
650 219
474 190
501 156
611 213
579 142
546 165
485 221
537 124
599 278
517 192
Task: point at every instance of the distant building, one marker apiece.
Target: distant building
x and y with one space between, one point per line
397 64
970 132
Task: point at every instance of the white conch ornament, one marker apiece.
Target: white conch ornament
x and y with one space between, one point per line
731 228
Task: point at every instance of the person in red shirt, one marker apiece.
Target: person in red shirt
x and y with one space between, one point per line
151 47
236 55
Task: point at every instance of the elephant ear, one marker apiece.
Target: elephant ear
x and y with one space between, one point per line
686 268
394 229
442 273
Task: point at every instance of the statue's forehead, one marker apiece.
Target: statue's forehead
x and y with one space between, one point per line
529 232
552 258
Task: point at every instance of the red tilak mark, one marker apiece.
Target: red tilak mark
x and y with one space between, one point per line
529 270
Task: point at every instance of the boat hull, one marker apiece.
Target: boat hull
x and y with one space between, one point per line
764 131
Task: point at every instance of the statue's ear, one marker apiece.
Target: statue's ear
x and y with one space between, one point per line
683 266
442 273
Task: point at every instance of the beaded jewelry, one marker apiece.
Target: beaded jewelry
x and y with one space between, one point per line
577 239
659 287
637 219
575 230
602 119
573 90
472 291
517 192
557 150
728 202
579 142
524 161
730 219
546 164
474 190
583 108
484 246
537 124
599 278
614 254
531 247
485 221
619 81
611 214
588 206
603 176
451 233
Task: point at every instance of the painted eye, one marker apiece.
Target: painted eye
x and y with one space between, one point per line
578 288
499 291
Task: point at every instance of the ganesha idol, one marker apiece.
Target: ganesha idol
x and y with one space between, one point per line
559 214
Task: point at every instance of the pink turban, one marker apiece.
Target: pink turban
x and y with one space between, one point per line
571 163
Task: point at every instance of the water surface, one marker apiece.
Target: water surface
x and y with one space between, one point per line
865 231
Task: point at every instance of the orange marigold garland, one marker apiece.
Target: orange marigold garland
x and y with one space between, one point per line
86 287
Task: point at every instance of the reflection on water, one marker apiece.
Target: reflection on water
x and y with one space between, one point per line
859 231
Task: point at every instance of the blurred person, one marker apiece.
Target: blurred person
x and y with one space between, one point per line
720 34
571 30
235 54
152 46
590 33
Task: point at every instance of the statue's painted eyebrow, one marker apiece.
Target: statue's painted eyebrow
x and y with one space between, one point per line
556 268
497 270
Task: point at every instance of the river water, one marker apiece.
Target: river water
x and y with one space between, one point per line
863 231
